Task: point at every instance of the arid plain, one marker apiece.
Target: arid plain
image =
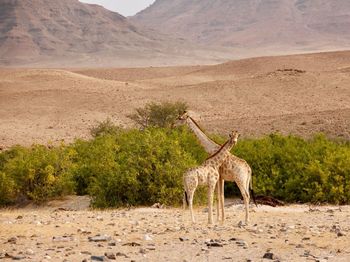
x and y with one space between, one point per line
298 94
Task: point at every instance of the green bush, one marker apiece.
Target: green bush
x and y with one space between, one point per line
8 190
158 114
103 128
133 167
298 170
39 173
148 168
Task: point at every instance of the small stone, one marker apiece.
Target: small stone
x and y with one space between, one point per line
12 240
183 239
119 254
214 244
132 244
147 237
340 234
269 255
19 217
29 251
99 238
62 239
112 244
97 258
110 255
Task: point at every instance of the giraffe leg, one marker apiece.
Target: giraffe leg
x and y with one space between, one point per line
218 201
190 203
211 188
210 203
245 194
222 200
184 201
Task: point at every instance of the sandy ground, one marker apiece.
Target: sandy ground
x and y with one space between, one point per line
65 231
299 94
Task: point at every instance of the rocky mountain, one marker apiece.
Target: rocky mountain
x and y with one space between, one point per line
303 25
70 33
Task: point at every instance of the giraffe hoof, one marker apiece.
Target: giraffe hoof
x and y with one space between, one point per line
241 224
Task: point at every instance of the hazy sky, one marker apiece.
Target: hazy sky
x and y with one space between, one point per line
124 7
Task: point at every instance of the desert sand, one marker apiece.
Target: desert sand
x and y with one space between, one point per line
299 94
69 231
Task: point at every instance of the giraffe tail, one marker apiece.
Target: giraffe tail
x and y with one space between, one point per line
252 191
185 193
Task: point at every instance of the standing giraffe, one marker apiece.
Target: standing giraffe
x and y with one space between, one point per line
233 168
207 174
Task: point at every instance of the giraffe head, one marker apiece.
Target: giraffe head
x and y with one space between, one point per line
181 119
234 136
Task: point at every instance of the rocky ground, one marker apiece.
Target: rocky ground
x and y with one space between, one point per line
61 232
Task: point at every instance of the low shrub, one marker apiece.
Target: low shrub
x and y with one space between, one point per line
297 170
158 114
38 173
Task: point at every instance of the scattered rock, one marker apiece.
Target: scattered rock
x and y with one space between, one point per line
98 258
12 240
62 239
14 257
340 234
183 239
29 251
119 254
99 238
213 243
132 244
147 237
110 255
269 255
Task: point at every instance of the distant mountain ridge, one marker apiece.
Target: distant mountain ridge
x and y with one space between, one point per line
68 32
273 24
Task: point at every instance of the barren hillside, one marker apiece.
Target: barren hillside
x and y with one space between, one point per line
267 25
300 94
69 33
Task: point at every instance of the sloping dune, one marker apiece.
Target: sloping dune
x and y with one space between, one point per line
301 94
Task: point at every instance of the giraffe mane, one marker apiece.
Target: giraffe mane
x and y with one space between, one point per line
217 152
199 127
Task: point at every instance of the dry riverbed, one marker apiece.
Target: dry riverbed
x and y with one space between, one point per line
73 232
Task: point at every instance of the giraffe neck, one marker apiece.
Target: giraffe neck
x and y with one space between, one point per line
210 146
219 157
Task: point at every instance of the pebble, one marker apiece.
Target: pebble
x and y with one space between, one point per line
183 239
269 255
110 255
99 238
97 258
62 239
147 237
29 251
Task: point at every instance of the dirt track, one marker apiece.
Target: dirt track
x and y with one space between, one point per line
300 94
62 230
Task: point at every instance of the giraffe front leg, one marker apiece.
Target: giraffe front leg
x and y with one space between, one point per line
222 200
211 189
190 203
218 201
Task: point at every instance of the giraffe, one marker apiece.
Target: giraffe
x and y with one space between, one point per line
233 168
207 174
